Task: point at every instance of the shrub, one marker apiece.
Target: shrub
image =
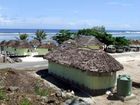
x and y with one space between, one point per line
25 101
2 94
41 91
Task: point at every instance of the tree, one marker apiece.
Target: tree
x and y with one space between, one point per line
63 35
23 37
122 41
100 33
40 35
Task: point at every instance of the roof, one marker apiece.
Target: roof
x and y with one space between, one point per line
23 44
16 44
35 43
12 43
47 45
88 40
3 43
83 41
96 61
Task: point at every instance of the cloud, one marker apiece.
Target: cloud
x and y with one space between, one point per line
46 22
119 26
4 20
122 4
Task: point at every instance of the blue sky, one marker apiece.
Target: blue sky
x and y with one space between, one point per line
70 14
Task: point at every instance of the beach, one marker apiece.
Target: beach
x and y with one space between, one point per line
131 63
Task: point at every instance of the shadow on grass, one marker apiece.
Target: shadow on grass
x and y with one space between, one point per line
62 84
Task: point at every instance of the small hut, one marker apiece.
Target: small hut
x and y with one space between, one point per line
44 48
23 48
90 69
84 42
3 46
90 42
11 47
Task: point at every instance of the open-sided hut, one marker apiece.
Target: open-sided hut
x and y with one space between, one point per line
23 48
3 46
90 69
11 47
42 49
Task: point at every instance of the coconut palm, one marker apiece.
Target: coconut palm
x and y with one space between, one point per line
23 37
40 35
63 35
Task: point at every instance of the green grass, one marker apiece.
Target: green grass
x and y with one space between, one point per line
25 101
2 94
41 92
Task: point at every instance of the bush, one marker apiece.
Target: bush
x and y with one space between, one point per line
106 38
2 94
25 101
41 91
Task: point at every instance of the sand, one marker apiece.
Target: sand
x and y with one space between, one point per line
131 63
32 59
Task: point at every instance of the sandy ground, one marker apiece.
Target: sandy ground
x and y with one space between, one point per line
131 63
32 59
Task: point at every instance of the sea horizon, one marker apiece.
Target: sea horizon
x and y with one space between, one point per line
10 34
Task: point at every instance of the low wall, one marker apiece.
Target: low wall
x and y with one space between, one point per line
83 78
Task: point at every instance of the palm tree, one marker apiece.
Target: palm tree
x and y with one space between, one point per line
63 35
23 37
40 35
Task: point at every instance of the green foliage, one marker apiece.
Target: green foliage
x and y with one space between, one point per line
25 101
2 94
95 31
41 91
23 36
101 34
40 35
122 41
63 35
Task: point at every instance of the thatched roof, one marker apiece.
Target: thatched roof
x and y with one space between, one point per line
96 61
83 41
12 43
16 44
35 43
88 40
3 43
23 44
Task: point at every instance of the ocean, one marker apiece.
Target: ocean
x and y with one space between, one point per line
11 34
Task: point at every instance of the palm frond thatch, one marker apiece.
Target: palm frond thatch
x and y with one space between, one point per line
96 61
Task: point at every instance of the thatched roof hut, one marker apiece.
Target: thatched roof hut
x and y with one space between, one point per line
12 43
3 43
84 42
90 69
88 40
23 44
35 43
95 61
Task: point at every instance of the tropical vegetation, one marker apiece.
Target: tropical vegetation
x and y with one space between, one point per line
40 35
101 34
23 37
63 35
